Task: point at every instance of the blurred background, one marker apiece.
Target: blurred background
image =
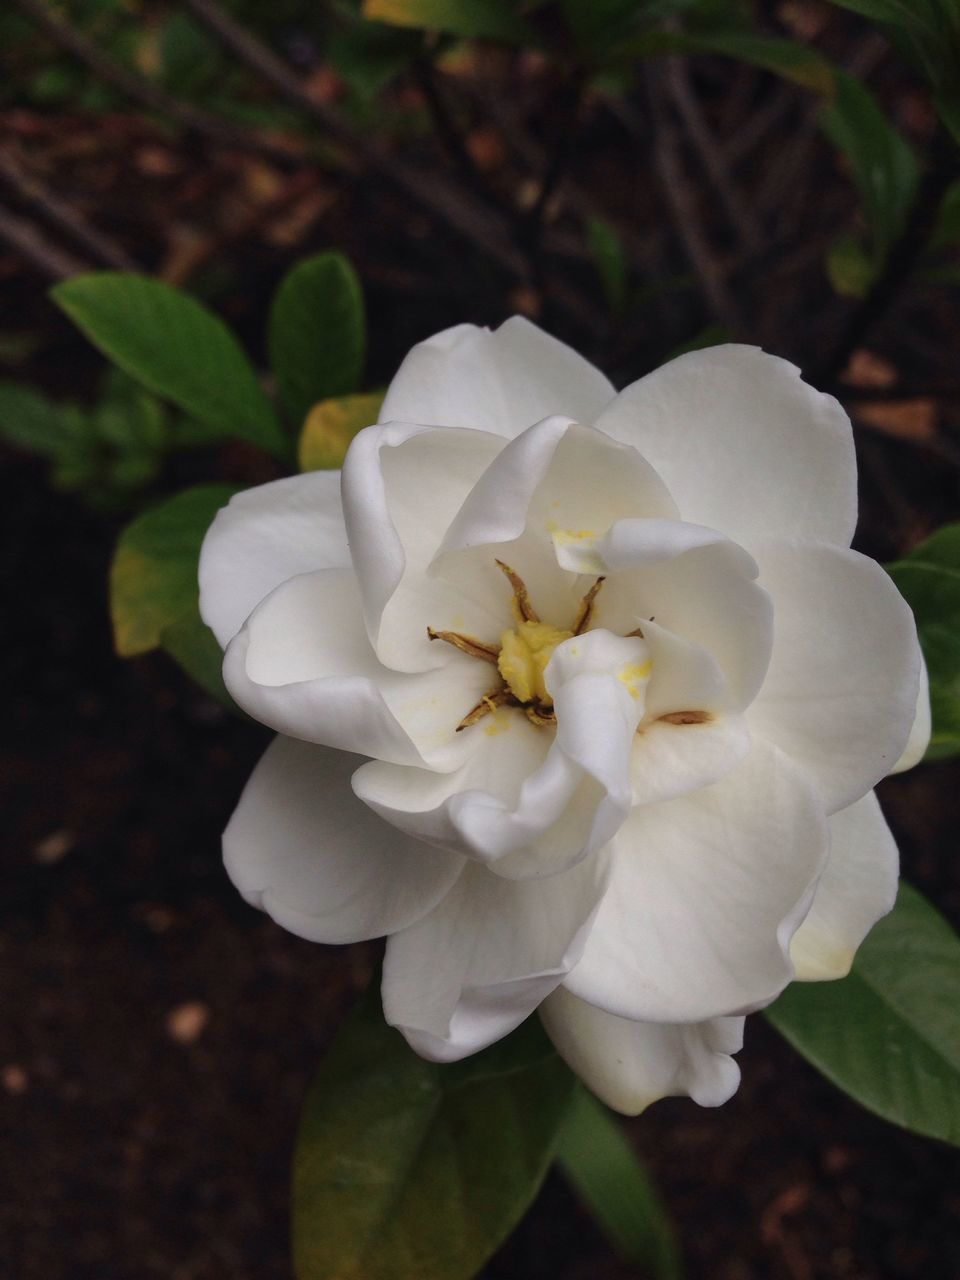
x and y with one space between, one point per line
639 178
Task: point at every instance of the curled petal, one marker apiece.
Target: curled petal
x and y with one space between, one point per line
528 803
402 486
300 847
840 696
857 888
469 972
500 381
629 1065
744 445
919 739
264 536
302 664
706 892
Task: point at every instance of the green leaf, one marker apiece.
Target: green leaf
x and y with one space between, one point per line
192 644
883 166
154 595
929 580
30 421
783 58
176 348
406 1170
471 19
611 261
850 268
331 425
317 333
599 1162
889 1033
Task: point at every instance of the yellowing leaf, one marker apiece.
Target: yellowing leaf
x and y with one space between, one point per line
331 425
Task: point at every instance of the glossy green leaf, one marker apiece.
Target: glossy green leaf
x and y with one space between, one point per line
154 596
850 267
783 58
28 420
331 425
889 1033
317 333
471 19
596 1156
611 262
153 577
406 1170
929 580
177 348
882 164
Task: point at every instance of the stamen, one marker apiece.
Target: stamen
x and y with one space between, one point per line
686 717
467 644
487 704
521 600
586 608
540 716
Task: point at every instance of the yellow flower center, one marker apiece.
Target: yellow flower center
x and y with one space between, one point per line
524 655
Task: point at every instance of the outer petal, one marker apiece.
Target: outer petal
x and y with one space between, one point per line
744 445
858 887
628 1065
706 892
841 692
481 961
919 739
300 847
529 803
501 381
264 536
302 664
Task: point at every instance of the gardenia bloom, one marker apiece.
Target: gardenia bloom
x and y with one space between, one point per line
620 688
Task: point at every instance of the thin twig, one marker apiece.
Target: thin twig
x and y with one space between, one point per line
447 131
900 262
711 158
49 259
65 218
149 95
564 137
443 201
676 192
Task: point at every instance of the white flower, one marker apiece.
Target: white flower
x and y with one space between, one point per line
622 687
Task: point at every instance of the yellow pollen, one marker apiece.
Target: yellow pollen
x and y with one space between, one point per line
633 676
524 654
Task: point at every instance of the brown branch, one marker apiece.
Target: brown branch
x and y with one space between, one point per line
65 218
47 258
443 201
900 262
149 95
686 219
712 160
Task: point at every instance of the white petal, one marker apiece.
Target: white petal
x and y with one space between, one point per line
264 536
402 486
529 801
841 692
501 381
919 739
629 1065
857 888
704 594
302 664
706 892
303 849
744 445
481 961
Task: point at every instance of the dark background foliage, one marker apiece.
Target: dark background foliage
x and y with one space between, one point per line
157 1035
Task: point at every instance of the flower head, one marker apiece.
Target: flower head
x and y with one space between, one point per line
621 688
